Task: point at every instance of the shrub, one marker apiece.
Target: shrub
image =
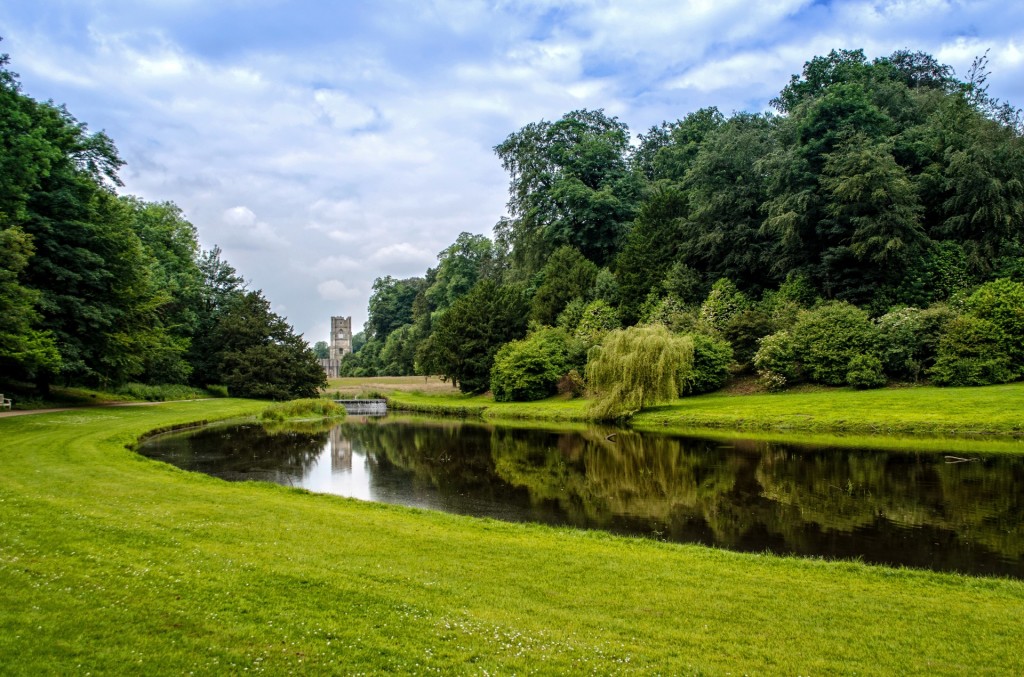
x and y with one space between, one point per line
723 301
1001 302
305 408
775 361
826 338
865 371
712 358
745 330
597 319
571 384
529 369
909 339
636 367
971 353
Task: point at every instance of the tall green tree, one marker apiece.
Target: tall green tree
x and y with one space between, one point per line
261 356
466 338
570 184
24 348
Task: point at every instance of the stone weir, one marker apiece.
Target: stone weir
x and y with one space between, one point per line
365 407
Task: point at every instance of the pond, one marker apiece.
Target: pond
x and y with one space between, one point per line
897 508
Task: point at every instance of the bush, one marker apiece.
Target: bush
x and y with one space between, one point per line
530 369
971 353
745 330
636 367
712 358
597 319
571 384
909 339
775 361
865 371
723 302
826 338
304 408
1002 303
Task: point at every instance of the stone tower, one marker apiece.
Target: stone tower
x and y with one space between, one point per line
341 337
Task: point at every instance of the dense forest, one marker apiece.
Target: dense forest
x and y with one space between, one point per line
105 290
868 230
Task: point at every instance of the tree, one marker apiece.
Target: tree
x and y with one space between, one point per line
262 357
321 350
635 368
460 266
24 349
721 235
567 275
569 185
222 287
466 338
391 305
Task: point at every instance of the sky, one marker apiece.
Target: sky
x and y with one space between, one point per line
324 144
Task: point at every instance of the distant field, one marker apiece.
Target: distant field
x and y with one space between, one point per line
352 386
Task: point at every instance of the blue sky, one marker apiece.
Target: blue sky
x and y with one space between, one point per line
323 144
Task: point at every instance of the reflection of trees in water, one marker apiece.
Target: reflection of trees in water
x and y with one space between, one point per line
768 495
452 457
743 495
244 452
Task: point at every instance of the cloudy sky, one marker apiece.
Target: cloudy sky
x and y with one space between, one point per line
323 144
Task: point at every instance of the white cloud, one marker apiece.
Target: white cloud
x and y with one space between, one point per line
323 160
336 290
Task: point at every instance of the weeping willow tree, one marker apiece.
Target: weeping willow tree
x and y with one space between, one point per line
636 367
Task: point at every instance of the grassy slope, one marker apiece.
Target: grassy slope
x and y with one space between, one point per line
115 564
993 409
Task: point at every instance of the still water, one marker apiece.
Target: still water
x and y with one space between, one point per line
897 508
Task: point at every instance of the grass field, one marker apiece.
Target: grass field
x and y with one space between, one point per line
948 411
114 564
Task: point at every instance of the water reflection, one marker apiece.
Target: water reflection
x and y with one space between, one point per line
896 508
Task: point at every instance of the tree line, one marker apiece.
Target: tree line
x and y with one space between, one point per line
884 196
101 289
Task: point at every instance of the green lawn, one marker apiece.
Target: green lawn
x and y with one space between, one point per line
111 563
960 411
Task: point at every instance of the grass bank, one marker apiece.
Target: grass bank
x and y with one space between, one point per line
992 410
111 563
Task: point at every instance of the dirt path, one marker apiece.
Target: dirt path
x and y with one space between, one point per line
25 412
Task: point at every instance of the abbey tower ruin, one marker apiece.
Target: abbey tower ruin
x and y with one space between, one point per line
339 346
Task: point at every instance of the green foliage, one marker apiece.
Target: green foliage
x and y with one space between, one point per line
745 330
909 339
723 302
1001 302
865 371
567 275
712 357
163 393
596 320
459 267
828 337
24 348
466 338
321 350
530 369
262 357
971 353
391 305
635 368
775 361
315 407
569 185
